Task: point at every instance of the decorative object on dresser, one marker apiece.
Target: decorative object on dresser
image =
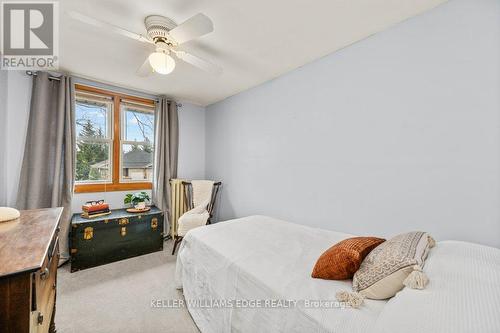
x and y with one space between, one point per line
29 255
8 214
114 237
199 196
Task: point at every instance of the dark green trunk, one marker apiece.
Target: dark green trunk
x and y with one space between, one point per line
114 237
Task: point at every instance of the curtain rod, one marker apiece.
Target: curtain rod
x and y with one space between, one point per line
55 78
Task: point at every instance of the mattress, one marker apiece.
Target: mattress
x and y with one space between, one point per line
259 258
254 275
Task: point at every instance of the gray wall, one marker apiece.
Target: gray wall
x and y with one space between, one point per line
397 132
3 124
191 142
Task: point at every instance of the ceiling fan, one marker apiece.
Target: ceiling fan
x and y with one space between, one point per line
166 36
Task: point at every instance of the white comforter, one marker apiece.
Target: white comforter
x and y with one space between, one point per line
463 294
259 258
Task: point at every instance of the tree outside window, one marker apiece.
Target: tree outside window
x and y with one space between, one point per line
115 141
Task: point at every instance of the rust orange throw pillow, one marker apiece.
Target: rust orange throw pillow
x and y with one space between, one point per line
342 260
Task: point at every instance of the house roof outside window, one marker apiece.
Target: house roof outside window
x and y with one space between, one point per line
135 159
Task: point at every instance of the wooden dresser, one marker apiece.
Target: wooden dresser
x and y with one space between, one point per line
28 271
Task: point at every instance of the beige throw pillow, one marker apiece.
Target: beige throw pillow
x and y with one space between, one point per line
384 271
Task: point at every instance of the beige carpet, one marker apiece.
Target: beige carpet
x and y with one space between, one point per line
117 297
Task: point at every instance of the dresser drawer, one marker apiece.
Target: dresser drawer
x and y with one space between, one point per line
45 290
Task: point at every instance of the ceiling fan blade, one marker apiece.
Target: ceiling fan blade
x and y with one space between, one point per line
198 62
110 27
145 69
194 27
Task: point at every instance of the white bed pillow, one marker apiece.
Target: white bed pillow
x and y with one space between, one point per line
385 270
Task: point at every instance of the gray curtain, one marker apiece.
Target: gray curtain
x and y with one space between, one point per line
48 165
166 154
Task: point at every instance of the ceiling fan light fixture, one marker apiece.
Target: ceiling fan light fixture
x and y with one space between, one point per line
162 63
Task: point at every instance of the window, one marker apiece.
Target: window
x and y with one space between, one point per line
114 141
94 140
137 143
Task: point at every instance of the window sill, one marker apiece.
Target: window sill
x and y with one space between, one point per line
90 188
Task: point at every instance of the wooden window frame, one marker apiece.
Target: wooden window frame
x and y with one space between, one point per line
115 185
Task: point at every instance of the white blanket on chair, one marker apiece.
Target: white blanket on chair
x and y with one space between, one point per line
196 217
202 190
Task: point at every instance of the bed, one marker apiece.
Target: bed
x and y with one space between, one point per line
253 275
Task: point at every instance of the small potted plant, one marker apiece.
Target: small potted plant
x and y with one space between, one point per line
138 200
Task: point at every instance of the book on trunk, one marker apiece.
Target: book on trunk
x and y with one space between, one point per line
96 213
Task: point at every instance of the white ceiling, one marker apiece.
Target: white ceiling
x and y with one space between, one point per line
254 40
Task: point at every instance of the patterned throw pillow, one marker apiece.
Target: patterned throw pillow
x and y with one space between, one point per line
342 260
384 270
